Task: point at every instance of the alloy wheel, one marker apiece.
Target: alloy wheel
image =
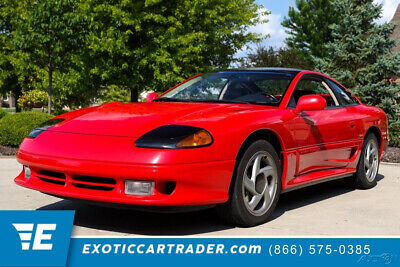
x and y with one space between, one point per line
260 180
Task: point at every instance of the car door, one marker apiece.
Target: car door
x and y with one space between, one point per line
323 138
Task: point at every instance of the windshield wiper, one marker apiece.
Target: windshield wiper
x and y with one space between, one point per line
170 99
219 101
167 99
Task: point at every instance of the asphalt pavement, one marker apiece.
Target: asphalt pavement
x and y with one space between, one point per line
325 209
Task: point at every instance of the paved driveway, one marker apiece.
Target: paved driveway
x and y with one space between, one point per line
325 209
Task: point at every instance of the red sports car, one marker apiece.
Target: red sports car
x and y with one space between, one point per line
236 139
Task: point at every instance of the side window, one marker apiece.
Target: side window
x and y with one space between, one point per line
344 97
310 86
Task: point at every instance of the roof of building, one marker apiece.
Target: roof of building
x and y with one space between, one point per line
396 33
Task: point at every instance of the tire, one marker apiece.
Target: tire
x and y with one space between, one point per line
254 191
368 165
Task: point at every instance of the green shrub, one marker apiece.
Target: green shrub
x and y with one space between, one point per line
394 134
2 113
15 127
114 93
33 99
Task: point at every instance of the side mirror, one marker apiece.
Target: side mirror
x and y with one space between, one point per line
310 102
151 96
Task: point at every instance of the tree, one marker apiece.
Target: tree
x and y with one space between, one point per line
360 55
282 57
8 75
78 49
153 44
49 33
308 26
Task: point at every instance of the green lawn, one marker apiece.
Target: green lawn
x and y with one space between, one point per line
12 110
9 110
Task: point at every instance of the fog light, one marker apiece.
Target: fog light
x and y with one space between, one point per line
27 172
139 188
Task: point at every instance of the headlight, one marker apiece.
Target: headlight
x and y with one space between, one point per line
175 136
43 127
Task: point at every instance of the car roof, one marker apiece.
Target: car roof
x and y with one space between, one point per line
268 69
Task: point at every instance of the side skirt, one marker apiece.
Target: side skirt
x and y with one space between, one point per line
314 182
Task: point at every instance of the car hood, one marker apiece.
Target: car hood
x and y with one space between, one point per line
135 119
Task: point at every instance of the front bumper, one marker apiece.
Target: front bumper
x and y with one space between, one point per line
201 183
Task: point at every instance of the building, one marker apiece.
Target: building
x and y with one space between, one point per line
7 101
396 36
396 33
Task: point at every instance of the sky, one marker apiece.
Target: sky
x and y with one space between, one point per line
279 9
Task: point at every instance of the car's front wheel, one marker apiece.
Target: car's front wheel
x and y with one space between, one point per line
255 187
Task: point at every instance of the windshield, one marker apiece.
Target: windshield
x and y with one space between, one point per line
233 87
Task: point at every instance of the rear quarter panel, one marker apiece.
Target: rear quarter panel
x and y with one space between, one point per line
372 117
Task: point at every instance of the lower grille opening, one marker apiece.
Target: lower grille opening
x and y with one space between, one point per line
51 177
51 181
52 174
93 182
93 179
169 187
93 187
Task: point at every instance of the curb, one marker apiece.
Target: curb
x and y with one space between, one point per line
390 163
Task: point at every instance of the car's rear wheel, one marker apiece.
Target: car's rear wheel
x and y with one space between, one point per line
255 187
368 166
